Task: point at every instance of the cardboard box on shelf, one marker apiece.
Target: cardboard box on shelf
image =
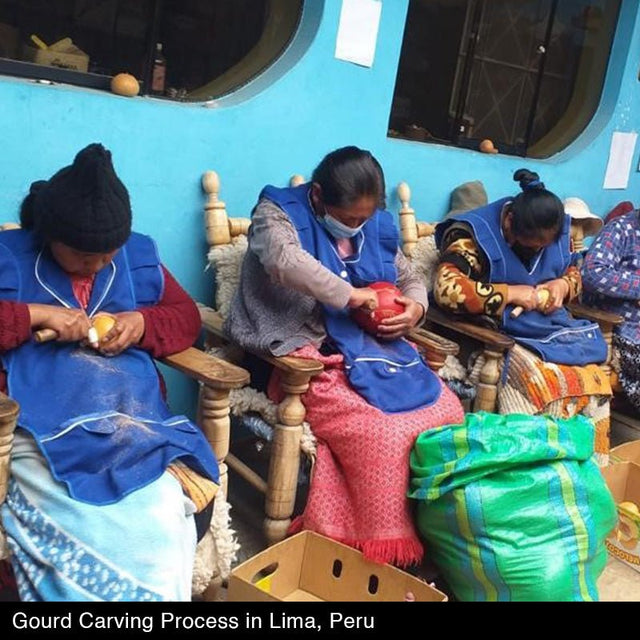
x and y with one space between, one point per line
310 567
9 39
69 57
623 480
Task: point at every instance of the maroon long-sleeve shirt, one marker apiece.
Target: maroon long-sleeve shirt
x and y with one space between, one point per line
169 326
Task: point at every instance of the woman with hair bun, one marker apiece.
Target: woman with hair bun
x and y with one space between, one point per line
511 260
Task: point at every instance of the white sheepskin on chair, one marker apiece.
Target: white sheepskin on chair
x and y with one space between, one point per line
217 550
452 369
226 260
425 259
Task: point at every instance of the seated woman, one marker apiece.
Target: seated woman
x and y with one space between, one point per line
104 481
511 260
611 278
313 251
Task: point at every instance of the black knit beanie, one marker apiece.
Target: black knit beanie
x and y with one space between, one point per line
84 205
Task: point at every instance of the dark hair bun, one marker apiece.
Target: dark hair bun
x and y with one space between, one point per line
528 179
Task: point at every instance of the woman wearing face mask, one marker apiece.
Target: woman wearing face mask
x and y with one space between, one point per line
511 260
313 251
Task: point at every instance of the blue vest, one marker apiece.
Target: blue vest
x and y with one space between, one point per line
101 422
557 337
390 375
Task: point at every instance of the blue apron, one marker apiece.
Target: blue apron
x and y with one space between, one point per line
101 422
556 337
390 375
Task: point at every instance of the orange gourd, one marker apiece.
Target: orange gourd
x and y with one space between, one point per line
103 323
124 84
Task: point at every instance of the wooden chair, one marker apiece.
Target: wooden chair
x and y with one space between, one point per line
217 378
494 344
280 486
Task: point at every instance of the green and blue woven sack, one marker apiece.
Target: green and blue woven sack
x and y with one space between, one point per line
513 507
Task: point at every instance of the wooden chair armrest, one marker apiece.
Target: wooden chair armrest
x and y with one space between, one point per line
489 337
8 413
595 315
8 409
433 342
213 322
208 369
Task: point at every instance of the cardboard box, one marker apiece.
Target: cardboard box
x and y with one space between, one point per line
310 567
623 542
627 452
71 58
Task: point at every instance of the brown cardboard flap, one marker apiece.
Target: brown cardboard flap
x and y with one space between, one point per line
308 567
627 452
623 480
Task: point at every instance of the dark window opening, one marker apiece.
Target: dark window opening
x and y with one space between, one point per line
525 74
207 47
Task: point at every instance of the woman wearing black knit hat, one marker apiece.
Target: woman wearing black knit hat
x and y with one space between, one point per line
94 509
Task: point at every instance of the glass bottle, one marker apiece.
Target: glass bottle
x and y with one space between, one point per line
159 73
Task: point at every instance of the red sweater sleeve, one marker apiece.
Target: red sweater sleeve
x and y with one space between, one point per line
15 328
173 324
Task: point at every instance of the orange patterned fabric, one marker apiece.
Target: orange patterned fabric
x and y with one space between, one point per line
358 492
560 390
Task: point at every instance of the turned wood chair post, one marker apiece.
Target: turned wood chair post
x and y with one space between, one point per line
214 420
216 220
408 227
284 463
487 394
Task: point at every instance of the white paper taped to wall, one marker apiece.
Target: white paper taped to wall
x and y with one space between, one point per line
621 152
358 31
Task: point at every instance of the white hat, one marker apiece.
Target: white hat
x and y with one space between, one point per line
579 210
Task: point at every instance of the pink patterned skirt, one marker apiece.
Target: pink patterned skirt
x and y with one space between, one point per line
361 476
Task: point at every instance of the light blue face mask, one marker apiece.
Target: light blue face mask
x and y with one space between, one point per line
338 229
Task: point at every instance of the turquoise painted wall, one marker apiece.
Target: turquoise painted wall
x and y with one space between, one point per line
283 123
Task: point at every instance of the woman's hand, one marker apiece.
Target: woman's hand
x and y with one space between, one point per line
127 331
400 325
363 297
558 290
71 325
522 295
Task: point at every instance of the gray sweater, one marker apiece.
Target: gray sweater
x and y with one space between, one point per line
277 307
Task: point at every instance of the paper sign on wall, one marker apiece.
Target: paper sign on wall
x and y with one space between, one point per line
358 31
621 152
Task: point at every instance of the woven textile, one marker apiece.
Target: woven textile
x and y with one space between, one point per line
532 386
